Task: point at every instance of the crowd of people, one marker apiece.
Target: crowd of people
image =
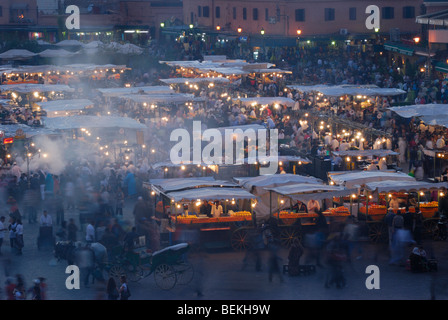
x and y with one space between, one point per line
100 186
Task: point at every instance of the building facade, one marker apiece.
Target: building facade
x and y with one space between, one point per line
311 17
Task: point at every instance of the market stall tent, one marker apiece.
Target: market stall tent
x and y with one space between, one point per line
177 184
366 153
195 80
431 114
308 191
259 186
60 53
210 194
352 90
57 108
404 186
88 121
266 101
17 54
36 87
117 92
353 179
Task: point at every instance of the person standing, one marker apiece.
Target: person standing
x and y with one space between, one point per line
19 237
2 232
112 290
72 230
119 202
45 219
216 210
90 233
12 233
124 291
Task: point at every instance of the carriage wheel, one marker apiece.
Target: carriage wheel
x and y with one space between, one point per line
288 235
133 273
377 232
116 272
240 240
431 229
165 276
184 272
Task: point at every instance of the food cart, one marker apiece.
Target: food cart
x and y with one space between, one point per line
426 197
182 200
293 221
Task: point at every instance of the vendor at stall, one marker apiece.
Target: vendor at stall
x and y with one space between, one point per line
216 209
206 209
299 207
313 206
394 203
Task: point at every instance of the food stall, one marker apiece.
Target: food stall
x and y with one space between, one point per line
184 202
57 108
380 159
298 206
258 186
423 197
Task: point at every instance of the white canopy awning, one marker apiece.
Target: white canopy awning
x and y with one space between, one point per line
17 54
307 191
69 43
177 184
10 130
87 121
65 105
273 180
431 114
60 53
404 186
33 87
195 80
366 153
216 193
353 179
116 92
159 98
266 101
352 90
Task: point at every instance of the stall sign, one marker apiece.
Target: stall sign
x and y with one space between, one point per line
8 140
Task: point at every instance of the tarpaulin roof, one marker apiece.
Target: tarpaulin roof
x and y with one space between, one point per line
353 90
351 179
404 186
194 80
32 87
266 101
216 193
88 121
366 153
65 105
115 92
176 184
270 180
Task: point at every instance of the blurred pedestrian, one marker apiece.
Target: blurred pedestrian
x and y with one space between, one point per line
43 288
124 291
336 256
112 290
35 290
72 230
19 237
294 255
85 260
9 288
274 261
2 232
19 292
